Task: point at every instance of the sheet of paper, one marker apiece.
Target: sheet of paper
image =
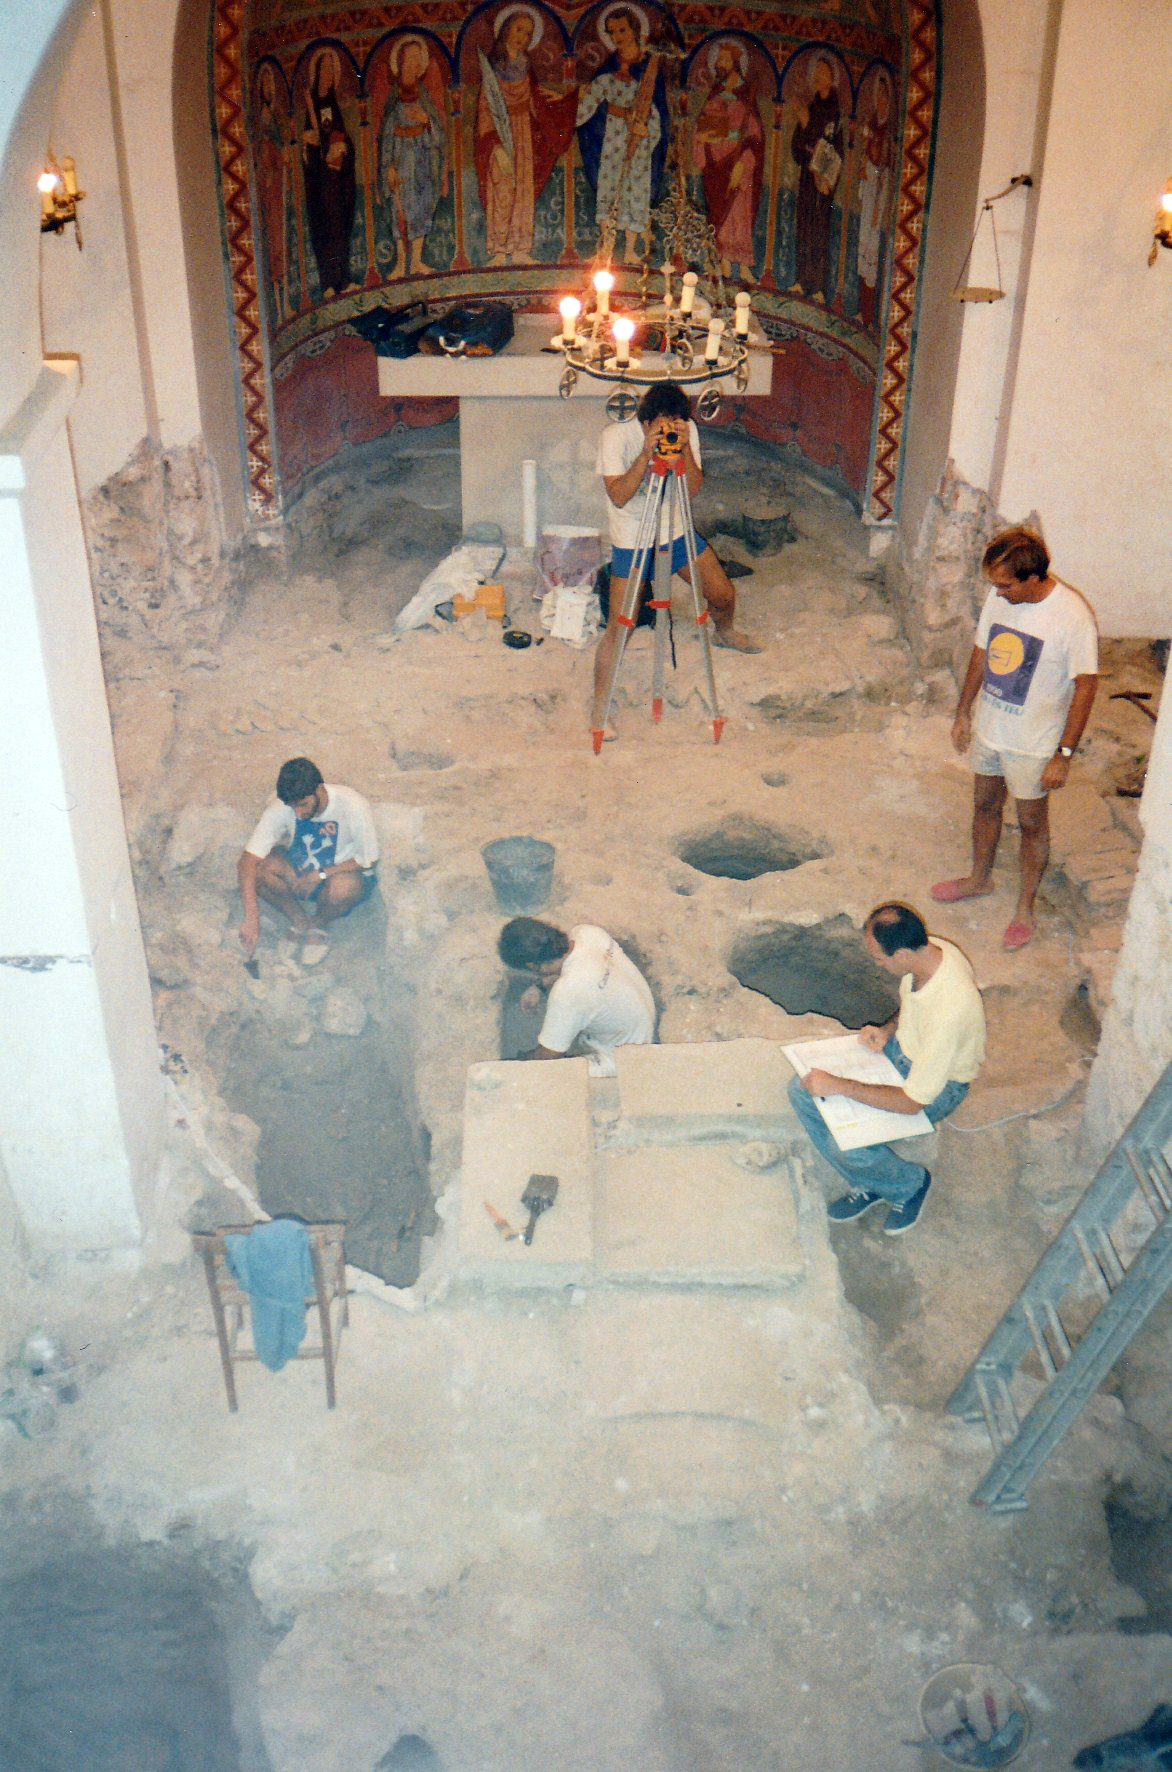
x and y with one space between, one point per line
853 1123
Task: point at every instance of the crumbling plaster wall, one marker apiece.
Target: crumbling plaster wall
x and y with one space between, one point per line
1137 1033
151 496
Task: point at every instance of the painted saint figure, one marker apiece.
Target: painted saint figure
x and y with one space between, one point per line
875 179
522 129
270 145
817 152
728 151
623 128
413 169
327 156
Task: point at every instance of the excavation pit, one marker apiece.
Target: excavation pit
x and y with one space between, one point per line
740 848
816 969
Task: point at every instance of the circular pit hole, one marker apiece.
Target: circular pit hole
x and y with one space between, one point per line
740 848
816 969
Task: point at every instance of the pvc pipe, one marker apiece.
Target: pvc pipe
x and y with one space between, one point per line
529 504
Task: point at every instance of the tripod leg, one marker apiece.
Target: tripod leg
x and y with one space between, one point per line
644 540
661 601
701 608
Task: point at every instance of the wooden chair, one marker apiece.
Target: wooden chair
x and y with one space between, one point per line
230 1301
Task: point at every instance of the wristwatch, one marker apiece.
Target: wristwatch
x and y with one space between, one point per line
1066 750
321 872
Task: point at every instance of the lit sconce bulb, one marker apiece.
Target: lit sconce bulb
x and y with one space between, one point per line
46 185
712 343
688 292
1166 202
569 308
624 332
603 284
741 321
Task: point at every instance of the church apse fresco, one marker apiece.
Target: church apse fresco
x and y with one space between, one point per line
432 151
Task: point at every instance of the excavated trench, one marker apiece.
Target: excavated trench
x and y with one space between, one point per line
816 969
740 848
125 1657
322 1061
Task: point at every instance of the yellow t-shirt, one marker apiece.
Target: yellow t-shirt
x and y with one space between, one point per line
941 1027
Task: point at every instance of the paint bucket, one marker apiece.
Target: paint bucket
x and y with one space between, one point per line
521 872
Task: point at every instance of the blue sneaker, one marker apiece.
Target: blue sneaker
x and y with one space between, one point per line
902 1218
851 1205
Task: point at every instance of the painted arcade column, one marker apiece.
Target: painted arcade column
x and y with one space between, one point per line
81 1101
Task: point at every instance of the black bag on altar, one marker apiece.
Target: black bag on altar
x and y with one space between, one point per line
394 332
474 329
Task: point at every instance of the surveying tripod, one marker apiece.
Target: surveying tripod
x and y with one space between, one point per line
666 495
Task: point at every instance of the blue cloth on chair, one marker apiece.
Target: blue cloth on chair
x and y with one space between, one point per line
272 1263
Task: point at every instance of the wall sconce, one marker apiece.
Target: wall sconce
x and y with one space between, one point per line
1162 232
60 197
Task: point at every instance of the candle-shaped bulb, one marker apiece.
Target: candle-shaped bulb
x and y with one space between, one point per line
1166 202
688 292
741 321
667 279
624 332
712 343
603 284
569 308
46 185
69 173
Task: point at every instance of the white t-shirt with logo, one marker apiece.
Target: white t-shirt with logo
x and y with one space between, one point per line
1033 653
619 448
343 831
599 997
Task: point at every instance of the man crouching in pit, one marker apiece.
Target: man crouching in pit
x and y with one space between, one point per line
312 857
595 997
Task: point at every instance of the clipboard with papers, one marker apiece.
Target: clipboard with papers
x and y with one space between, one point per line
853 1124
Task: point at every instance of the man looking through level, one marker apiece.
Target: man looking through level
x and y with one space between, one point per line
937 1044
1032 673
312 856
625 454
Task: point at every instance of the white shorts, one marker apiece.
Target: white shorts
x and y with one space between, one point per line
1023 774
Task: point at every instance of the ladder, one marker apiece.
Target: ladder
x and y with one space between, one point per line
1136 1170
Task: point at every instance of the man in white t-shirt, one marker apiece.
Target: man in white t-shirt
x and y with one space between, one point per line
595 996
625 453
1033 675
312 855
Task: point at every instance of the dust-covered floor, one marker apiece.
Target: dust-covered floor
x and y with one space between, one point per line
597 1529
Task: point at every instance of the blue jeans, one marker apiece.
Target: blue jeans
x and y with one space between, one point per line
876 1168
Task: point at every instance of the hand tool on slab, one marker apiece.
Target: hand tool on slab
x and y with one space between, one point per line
502 1224
540 1194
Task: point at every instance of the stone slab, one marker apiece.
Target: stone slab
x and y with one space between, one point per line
690 1214
736 1080
520 1120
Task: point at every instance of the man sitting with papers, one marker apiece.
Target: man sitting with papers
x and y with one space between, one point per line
936 1045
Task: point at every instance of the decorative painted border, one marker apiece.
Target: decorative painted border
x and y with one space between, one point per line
227 37
908 240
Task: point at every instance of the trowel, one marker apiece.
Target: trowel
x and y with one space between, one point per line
540 1194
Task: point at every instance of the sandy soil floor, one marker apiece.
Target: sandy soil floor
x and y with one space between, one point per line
589 1530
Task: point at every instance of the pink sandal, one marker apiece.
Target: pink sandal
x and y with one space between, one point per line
952 891
1016 936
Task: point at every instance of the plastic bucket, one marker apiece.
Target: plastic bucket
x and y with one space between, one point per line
521 871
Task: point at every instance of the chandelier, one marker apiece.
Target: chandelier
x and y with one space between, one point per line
676 343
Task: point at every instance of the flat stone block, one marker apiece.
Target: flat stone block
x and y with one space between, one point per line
521 1120
729 1078
688 1213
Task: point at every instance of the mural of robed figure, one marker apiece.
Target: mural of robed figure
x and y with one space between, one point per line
876 181
412 156
327 159
271 139
816 145
522 129
728 151
623 128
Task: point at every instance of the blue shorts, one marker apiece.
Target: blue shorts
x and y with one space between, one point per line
369 881
622 559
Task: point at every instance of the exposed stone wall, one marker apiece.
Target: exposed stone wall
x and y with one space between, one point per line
157 559
934 581
1137 1033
